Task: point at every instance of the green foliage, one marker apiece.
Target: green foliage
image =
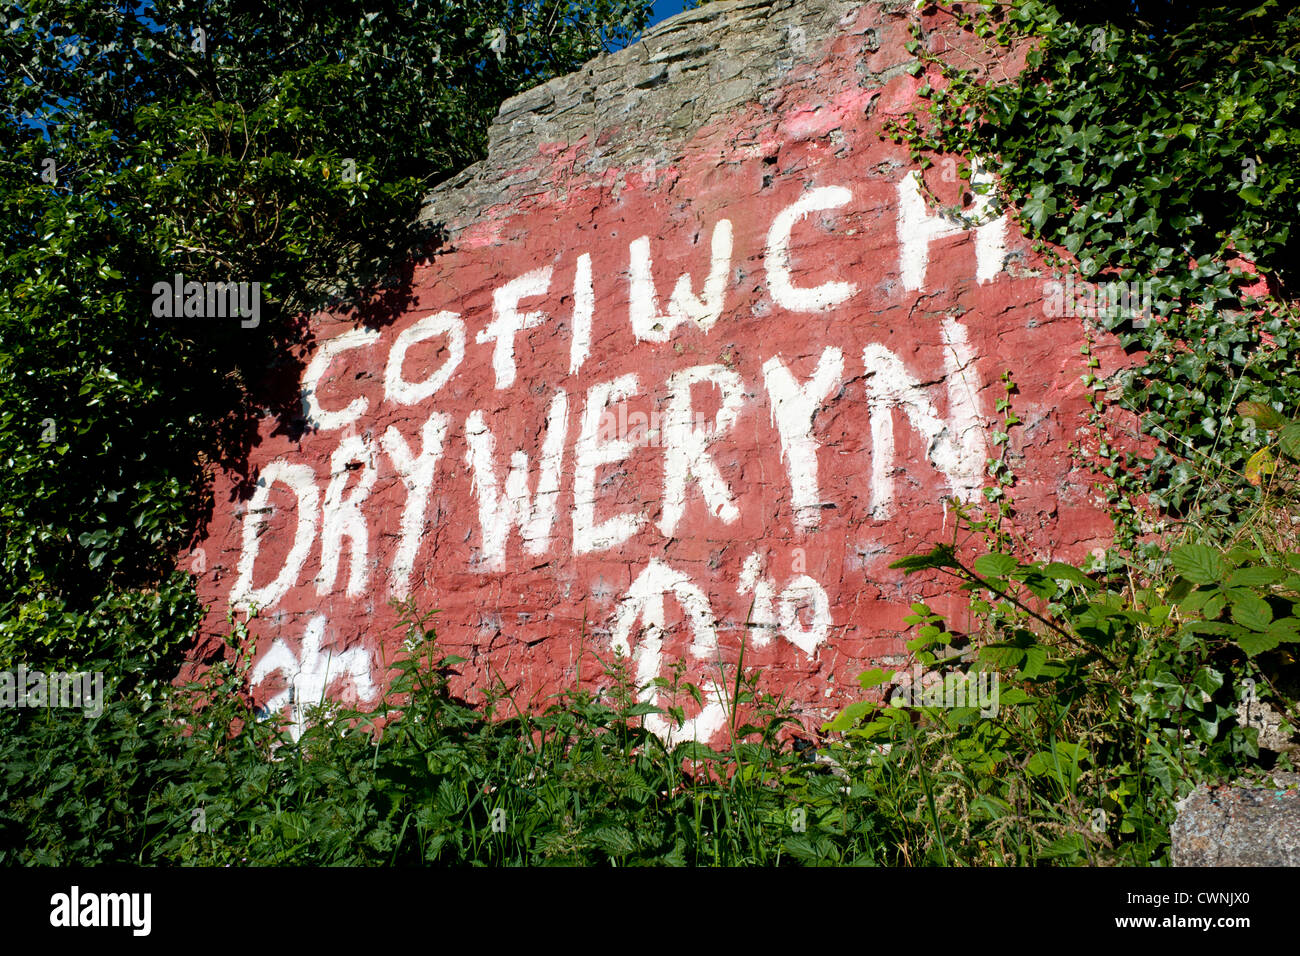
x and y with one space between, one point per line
237 158
1263 464
193 777
1151 146
286 144
1116 693
1113 701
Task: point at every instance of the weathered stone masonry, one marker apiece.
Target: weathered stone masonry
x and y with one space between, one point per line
696 365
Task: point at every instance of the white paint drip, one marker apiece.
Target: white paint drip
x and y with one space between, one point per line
793 407
417 476
302 480
402 392
686 446
498 513
508 321
779 282
648 325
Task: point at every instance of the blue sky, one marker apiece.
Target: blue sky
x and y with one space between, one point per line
664 9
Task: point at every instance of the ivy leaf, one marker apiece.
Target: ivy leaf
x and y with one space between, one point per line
1264 414
1259 464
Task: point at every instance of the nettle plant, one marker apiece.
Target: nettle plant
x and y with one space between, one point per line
1114 693
1113 701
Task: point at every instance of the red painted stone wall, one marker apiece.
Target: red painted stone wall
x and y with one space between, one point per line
834 317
